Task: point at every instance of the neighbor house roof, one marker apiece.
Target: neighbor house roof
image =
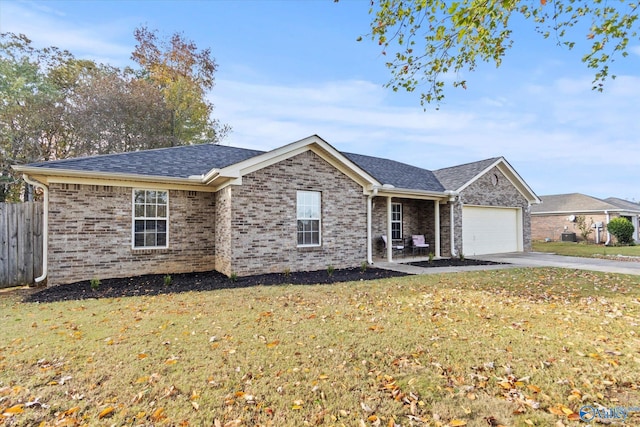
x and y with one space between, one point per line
581 203
623 204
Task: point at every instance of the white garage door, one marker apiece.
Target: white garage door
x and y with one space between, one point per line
487 230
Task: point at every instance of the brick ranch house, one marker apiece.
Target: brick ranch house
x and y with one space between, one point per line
557 214
303 206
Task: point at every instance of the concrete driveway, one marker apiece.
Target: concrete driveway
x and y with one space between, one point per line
525 259
540 259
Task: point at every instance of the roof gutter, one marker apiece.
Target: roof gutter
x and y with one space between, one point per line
107 175
45 225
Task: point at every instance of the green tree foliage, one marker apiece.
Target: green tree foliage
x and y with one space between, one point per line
622 230
428 41
183 74
54 106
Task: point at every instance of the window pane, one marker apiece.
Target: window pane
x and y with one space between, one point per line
162 239
150 211
151 197
139 210
162 211
139 197
161 226
150 239
162 197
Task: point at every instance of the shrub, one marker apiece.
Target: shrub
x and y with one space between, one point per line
167 280
330 270
622 230
95 283
363 266
584 227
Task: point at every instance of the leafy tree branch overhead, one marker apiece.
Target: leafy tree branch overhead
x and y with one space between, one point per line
429 42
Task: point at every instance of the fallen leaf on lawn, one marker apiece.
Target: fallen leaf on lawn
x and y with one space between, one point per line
273 344
105 412
141 355
158 415
457 423
14 410
195 405
534 388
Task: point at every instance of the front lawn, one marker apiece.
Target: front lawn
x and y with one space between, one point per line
582 250
516 347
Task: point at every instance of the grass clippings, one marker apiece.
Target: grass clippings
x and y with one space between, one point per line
518 347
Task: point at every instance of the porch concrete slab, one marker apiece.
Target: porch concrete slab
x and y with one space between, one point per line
522 259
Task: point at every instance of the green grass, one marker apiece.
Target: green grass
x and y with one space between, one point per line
582 250
519 347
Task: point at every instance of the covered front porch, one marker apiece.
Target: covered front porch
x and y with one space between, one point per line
395 217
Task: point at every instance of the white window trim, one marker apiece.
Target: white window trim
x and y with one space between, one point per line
133 220
399 221
319 219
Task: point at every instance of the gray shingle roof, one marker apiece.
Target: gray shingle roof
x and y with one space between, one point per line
623 204
173 162
572 202
454 177
195 160
398 174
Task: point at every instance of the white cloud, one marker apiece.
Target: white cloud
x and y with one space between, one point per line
46 26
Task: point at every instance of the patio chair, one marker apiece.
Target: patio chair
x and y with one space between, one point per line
418 243
395 248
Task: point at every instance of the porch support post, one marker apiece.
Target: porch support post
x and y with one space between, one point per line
389 237
436 231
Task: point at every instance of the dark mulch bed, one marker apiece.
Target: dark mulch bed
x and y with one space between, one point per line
211 280
453 262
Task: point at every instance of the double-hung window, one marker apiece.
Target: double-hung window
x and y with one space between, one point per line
396 221
150 219
308 218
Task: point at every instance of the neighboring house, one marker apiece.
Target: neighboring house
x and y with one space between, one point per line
557 214
303 206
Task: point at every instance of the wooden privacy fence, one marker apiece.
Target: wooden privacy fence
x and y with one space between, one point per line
20 243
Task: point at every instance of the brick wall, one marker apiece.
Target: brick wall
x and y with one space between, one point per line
263 218
484 193
90 234
552 227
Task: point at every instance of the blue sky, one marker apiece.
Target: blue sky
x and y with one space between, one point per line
290 69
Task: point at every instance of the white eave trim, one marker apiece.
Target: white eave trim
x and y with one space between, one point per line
412 193
313 143
108 176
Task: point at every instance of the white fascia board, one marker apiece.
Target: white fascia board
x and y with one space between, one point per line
413 194
313 143
51 175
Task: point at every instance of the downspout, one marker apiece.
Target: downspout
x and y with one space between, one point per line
369 233
452 198
45 224
606 213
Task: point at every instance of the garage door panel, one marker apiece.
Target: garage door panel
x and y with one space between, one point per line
487 230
